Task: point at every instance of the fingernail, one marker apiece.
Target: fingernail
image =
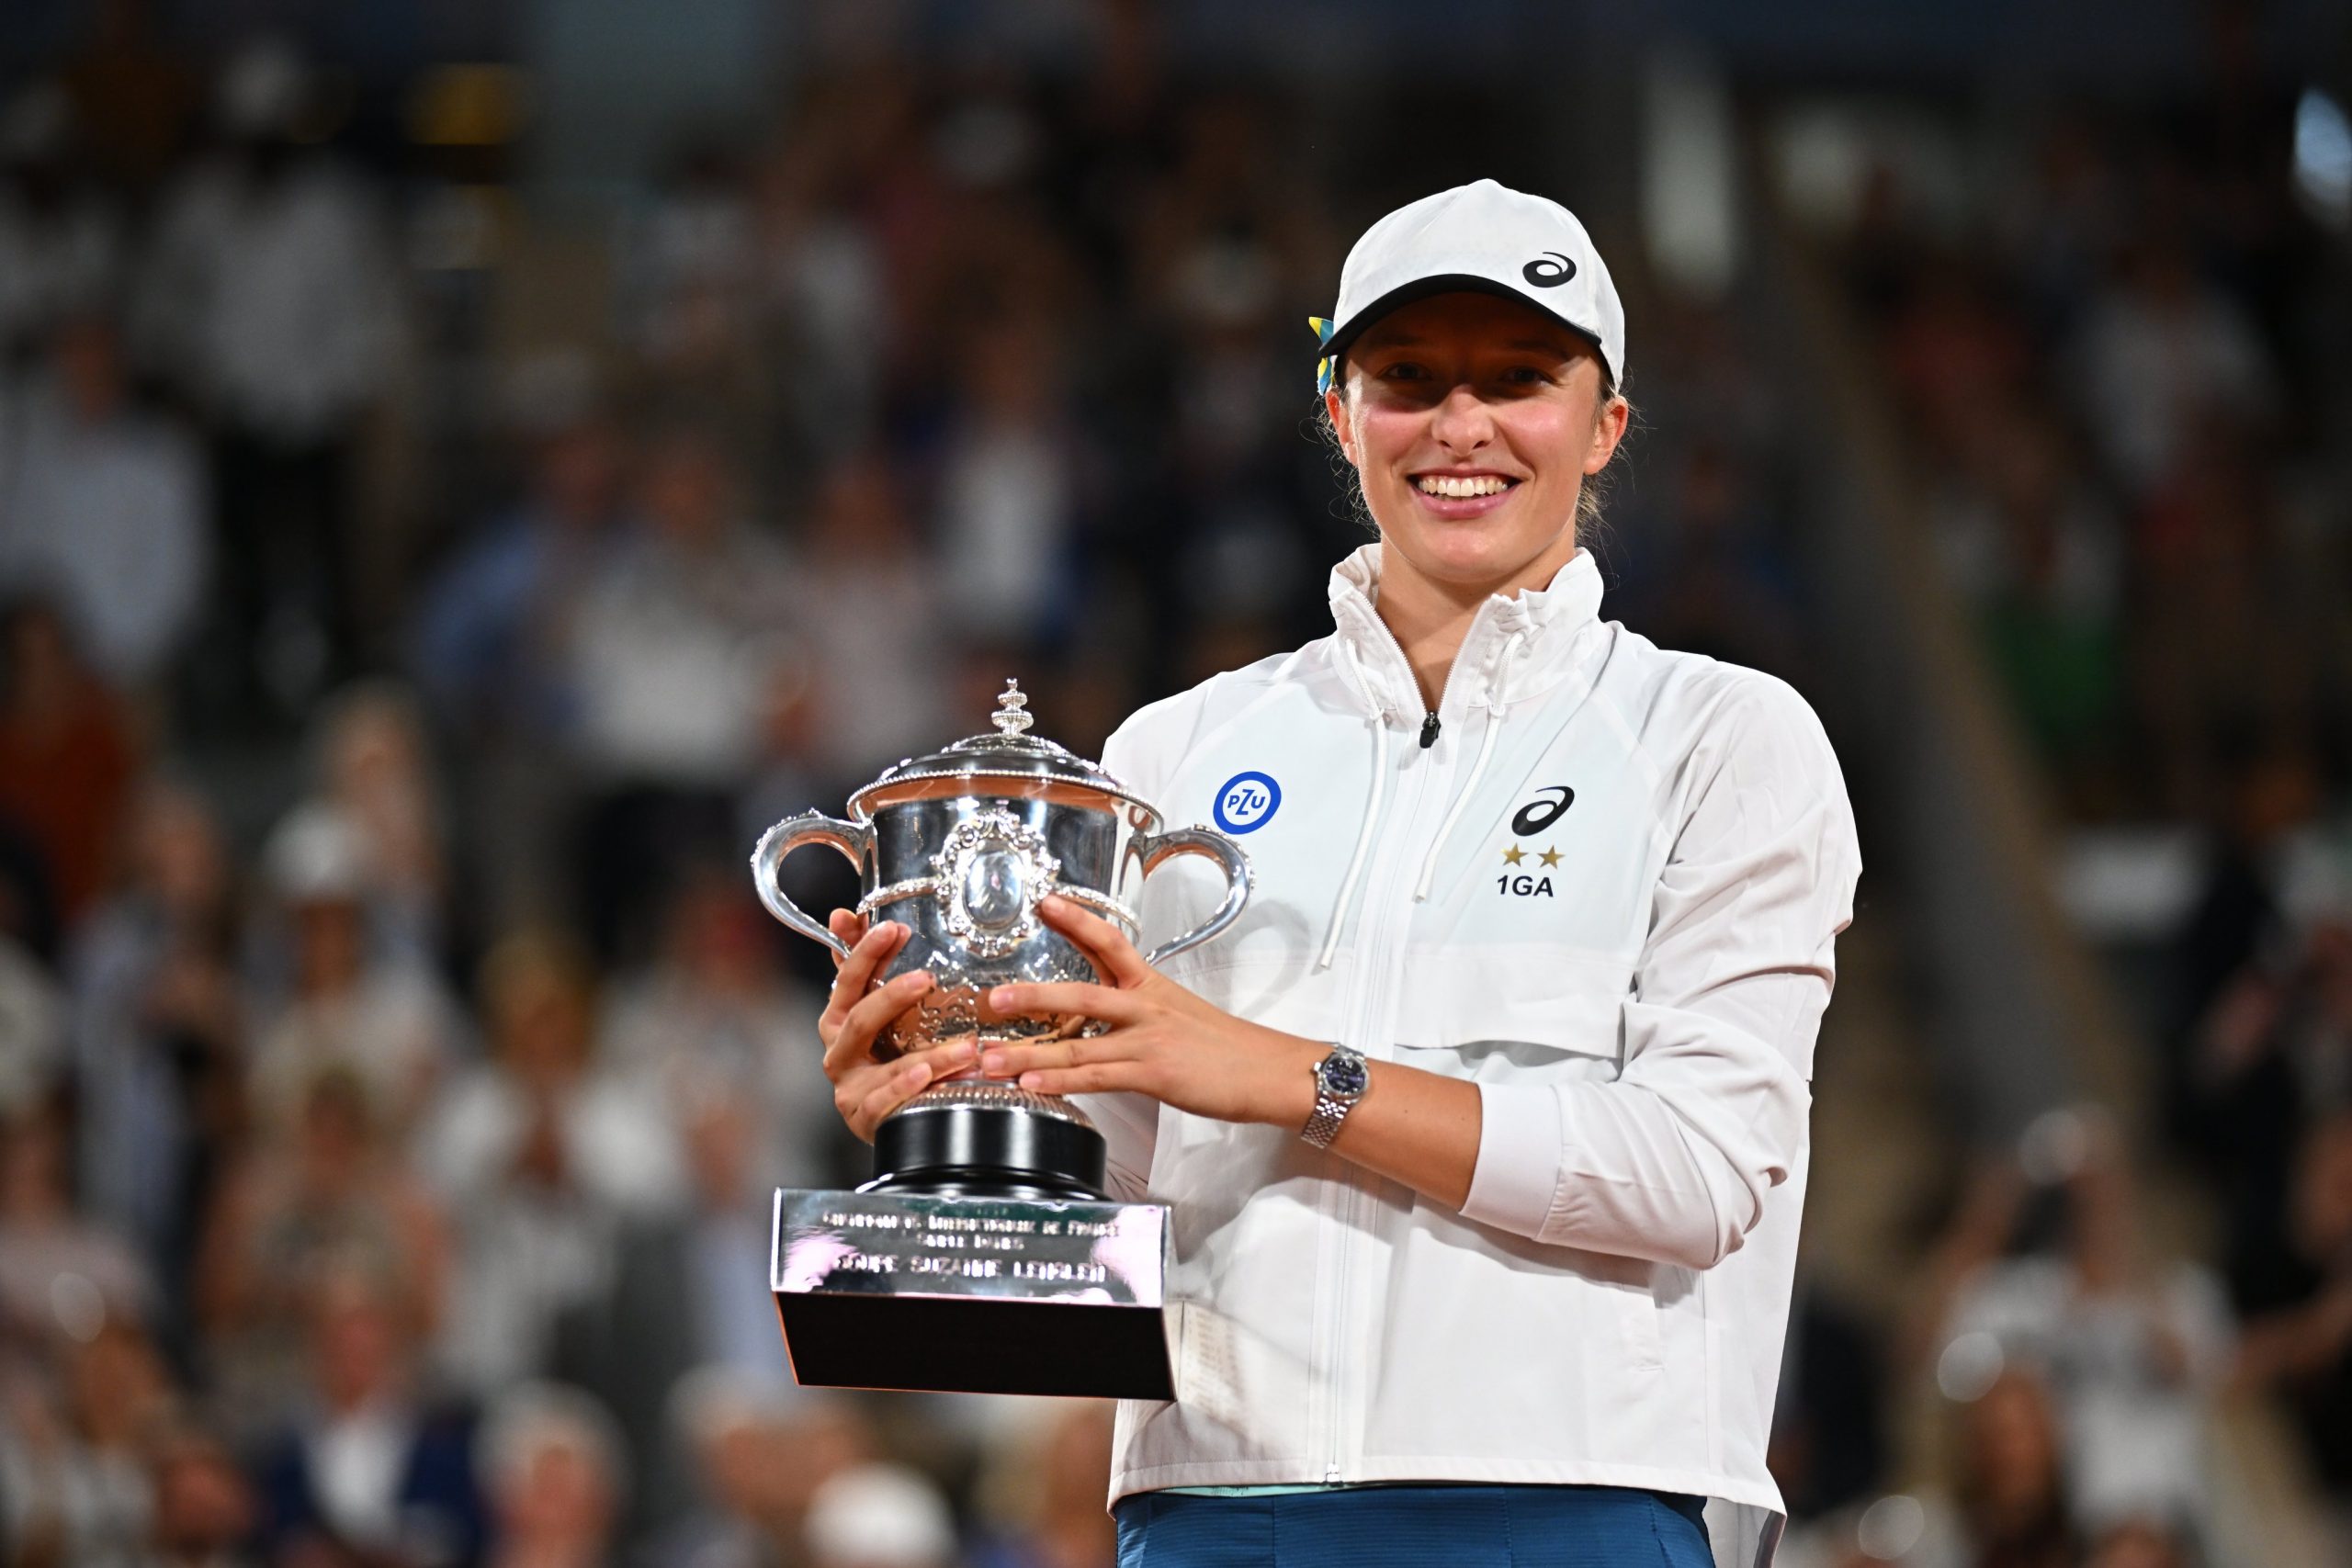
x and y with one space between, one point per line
1031 1080
913 980
1000 998
993 1061
916 1071
962 1053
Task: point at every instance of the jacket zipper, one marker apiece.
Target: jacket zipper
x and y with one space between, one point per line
1351 1190
1372 1007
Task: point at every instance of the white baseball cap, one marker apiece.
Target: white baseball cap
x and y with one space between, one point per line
1486 238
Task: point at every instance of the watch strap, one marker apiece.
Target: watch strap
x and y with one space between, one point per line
1330 1110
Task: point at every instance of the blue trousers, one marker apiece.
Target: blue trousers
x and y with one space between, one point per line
1415 1527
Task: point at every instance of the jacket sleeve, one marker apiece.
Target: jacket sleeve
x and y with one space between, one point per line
1672 1159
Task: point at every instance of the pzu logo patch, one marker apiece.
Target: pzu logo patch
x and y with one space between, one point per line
1247 802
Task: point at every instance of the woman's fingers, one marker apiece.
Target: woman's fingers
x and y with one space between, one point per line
1070 997
892 1085
1116 958
848 927
852 1038
1095 1078
1013 1059
857 972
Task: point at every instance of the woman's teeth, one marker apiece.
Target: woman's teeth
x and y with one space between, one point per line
1463 485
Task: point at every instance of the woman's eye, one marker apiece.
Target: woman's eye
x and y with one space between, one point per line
1527 376
1403 370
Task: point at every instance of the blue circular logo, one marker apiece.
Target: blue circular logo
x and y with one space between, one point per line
1247 802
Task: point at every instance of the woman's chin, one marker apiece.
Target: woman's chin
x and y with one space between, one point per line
1472 554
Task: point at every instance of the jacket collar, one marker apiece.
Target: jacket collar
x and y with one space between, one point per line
1549 634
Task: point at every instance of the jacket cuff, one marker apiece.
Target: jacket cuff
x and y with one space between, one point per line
1519 1146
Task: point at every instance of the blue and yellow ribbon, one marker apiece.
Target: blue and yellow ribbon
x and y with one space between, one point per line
1322 327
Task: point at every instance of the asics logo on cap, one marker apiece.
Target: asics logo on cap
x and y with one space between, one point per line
1543 274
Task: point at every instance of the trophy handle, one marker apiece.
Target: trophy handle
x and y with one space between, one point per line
1157 847
854 839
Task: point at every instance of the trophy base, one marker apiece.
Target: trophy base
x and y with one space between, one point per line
976 1139
963 1294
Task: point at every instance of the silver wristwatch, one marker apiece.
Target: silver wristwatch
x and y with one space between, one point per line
1341 1079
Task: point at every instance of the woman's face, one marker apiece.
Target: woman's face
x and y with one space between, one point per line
1471 421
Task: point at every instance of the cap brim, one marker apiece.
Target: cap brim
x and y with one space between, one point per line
1449 283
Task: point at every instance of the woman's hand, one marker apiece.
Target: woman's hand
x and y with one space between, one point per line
865 1090
1163 1041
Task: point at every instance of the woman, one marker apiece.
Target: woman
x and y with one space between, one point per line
1485 1129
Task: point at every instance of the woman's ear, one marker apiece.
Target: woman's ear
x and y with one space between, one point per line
1607 429
1337 410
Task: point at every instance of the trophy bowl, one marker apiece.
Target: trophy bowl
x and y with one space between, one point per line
959 846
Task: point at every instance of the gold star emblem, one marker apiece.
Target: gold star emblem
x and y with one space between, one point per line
1511 855
1550 856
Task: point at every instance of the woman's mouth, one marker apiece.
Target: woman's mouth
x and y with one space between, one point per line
1462 496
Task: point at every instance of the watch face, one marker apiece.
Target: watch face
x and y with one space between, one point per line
1345 1077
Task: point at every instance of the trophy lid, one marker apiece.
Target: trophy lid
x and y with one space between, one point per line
1009 759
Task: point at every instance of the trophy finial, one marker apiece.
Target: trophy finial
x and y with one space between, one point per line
1011 717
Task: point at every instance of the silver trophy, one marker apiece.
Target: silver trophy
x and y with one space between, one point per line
959 846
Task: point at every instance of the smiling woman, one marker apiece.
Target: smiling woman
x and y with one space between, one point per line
1485 1125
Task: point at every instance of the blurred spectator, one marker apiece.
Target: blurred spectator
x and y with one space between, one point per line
554 1468
759 1449
673 652
543 1157
2160 352
353 999
267 298
489 640
205 1508
830 336
102 510
73 1478
489 626
1830 1444
690 274
62 1278
2298 1299
32 1028
868 612
1044 1497
159 1028
372 1472
136 95
288 1215
729 1236
2012 1490
1733 594
60 244
66 753
712 1019
1008 497
2128 1353
880 1516
373 767
2038 557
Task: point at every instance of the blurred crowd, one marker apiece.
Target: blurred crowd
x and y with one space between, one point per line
393 1063
2117 351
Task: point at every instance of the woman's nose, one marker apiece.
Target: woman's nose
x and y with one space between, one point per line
1462 423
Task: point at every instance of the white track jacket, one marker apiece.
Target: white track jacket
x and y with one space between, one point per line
1605 890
